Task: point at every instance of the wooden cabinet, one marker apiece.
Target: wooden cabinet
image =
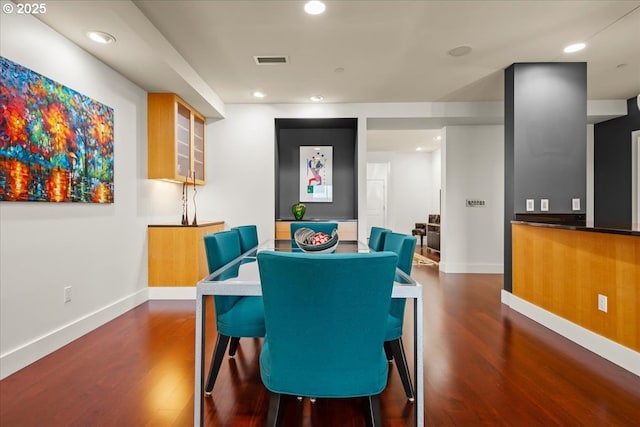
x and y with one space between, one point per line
176 253
175 133
563 271
347 230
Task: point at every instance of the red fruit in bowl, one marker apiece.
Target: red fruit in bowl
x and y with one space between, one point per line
320 238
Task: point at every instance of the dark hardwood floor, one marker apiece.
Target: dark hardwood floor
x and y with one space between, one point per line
485 365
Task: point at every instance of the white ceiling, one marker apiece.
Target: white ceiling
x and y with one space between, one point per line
389 51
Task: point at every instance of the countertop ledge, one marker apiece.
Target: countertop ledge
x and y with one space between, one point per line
204 224
318 220
625 229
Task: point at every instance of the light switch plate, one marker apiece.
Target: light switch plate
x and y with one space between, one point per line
544 205
531 205
575 204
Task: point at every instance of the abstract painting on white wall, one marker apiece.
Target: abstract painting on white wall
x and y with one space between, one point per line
56 144
316 173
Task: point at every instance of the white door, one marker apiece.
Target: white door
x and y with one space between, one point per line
377 175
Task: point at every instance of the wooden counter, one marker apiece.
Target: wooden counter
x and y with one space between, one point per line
347 229
176 253
564 270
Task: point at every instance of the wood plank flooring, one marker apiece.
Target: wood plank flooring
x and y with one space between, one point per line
485 365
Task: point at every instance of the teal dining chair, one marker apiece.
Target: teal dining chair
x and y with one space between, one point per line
311 300
325 227
248 237
236 316
376 238
404 246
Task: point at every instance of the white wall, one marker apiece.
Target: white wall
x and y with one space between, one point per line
472 239
411 188
435 177
99 250
241 157
240 163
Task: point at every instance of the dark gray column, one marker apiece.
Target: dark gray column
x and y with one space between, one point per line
545 142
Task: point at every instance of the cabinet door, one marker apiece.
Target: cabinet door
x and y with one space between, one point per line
198 148
175 144
183 141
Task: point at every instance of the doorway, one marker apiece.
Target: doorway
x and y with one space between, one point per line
377 182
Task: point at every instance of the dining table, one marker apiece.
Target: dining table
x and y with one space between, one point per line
241 277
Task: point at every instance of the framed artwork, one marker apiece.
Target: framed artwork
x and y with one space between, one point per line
56 145
316 174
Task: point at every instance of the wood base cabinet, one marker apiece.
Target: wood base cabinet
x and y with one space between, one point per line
176 253
347 230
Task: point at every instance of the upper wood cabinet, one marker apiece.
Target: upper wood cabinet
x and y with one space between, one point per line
175 139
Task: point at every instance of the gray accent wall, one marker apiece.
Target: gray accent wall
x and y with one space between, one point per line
612 168
545 141
291 134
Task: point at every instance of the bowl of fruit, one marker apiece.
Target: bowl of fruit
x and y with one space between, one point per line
316 242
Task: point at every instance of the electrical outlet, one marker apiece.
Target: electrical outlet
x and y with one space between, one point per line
544 205
531 205
575 204
602 302
67 294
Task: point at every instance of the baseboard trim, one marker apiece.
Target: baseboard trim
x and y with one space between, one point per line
604 347
172 292
475 268
20 357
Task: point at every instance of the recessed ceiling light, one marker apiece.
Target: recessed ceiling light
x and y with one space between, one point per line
316 98
437 138
314 7
418 148
258 94
101 37
574 47
460 51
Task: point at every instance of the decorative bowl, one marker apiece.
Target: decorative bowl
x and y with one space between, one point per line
304 238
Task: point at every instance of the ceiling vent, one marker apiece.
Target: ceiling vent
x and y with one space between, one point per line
270 60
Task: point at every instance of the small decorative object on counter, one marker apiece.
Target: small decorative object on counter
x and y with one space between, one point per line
195 191
316 242
298 211
185 202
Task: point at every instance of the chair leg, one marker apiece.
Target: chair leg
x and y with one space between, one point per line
274 409
374 415
233 346
388 352
401 362
216 361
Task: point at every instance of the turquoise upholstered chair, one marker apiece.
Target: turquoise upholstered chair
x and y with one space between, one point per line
376 238
236 316
325 227
404 246
326 316
248 237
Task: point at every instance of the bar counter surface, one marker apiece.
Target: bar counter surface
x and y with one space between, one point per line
579 225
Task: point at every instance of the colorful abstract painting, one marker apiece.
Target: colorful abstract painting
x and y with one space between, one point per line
316 174
56 145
